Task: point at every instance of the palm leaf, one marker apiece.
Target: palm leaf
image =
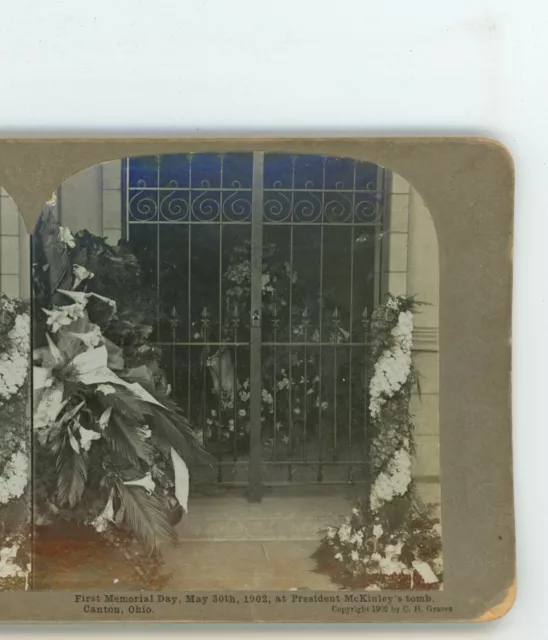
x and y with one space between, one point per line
126 441
144 514
72 473
175 431
173 425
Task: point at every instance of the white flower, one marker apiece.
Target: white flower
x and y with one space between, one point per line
345 531
357 539
66 237
92 338
377 530
355 556
355 512
376 557
14 477
106 389
242 412
8 565
297 411
87 436
338 556
104 419
394 365
146 482
196 336
14 362
331 532
80 274
394 481
100 523
144 432
324 405
64 316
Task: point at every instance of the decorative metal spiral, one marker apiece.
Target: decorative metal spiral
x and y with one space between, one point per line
307 207
206 206
237 205
368 209
277 206
339 208
174 206
143 206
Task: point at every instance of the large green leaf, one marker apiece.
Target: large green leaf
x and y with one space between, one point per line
125 439
175 428
172 428
72 472
145 515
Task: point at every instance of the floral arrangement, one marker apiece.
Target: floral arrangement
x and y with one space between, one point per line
113 450
14 432
391 540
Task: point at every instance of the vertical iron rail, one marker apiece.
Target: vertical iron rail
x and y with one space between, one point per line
290 361
275 325
321 306
378 238
235 325
336 326
220 388
351 326
255 466
189 301
158 203
306 322
365 323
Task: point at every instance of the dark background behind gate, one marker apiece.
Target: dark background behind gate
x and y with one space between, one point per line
188 219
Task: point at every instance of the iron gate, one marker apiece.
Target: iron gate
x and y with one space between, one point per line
265 267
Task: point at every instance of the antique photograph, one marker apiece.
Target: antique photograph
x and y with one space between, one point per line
220 371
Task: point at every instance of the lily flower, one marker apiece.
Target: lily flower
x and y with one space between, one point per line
105 416
80 274
66 237
146 482
87 436
100 523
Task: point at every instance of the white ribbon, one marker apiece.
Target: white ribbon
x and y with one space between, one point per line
182 479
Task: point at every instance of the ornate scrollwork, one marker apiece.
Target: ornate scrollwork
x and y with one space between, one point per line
174 206
237 205
277 205
143 206
206 206
308 205
338 206
368 208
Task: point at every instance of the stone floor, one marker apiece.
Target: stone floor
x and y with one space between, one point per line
245 565
227 542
